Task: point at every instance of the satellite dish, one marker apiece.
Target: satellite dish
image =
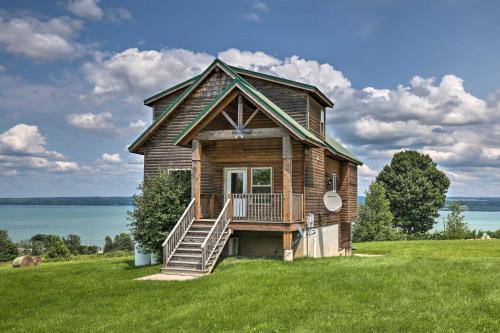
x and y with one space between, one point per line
332 201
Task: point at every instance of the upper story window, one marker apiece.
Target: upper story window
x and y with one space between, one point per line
262 180
322 121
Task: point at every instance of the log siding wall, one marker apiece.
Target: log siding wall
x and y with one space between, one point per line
292 101
160 151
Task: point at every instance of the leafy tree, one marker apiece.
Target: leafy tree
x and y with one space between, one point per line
157 208
123 242
455 226
73 243
108 245
57 249
8 249
89 249
375 217
416 190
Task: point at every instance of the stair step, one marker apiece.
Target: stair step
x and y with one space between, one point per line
183 263
182 271
191 243
189 249
197 232
186 256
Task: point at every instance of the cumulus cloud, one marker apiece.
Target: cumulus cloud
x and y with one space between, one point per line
139 124
143 71
40 40
86 9
91 121
23 148
111 158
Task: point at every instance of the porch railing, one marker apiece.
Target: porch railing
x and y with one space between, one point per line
214 236
264 207
175 236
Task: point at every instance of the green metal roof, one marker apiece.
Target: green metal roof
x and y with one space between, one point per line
338 149
278 79
170 90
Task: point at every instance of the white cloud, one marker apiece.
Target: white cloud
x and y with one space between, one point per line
139 124
137 72
63 166
260 5
111 158
40 40
258 8
86 9
23 149
91 121
247 59
118 15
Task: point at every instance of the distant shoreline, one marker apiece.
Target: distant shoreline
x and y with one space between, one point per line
67 201
480 204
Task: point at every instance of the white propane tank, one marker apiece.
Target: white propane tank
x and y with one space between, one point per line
140 258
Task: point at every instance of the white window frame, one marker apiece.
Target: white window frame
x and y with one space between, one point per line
270 180
322 120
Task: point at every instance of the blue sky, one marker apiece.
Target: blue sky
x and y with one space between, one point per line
403 74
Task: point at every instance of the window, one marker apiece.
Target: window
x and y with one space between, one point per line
262 180
322 121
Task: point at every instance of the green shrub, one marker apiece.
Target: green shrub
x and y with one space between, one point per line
57 249
375 218
157 208
455 226
122 242
8 249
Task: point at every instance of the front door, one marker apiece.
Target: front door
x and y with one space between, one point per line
235 182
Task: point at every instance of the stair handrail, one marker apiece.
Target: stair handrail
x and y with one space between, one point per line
175 236
215 234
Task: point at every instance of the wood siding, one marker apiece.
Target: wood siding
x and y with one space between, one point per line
160 151
162 104
292 101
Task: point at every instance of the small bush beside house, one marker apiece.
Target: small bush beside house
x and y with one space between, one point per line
157 208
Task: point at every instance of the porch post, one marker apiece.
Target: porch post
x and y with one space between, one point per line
196 177
287 179
287 196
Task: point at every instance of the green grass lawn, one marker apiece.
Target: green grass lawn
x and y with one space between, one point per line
417 286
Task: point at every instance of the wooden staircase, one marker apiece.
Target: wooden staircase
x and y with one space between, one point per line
194 246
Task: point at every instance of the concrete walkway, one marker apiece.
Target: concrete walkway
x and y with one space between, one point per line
167 277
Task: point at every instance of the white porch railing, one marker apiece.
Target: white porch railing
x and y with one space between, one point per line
264 207
175 236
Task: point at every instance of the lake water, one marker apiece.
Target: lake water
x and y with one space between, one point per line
93 223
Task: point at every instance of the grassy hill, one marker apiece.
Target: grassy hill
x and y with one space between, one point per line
417 286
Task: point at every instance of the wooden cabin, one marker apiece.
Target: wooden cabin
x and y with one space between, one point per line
260 162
